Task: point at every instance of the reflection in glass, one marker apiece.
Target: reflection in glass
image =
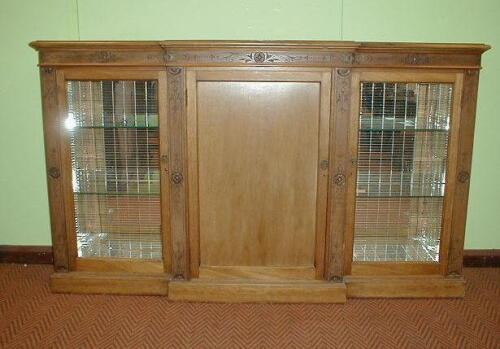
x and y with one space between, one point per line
113 128
401 178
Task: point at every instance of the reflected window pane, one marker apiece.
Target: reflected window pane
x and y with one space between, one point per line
113 127
401 178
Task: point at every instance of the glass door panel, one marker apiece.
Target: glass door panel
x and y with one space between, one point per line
401 170
114 142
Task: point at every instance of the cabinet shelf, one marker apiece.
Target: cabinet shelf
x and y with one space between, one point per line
398 122
399 196
115 127
117 193
403 130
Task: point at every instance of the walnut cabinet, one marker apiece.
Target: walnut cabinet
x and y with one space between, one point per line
259 171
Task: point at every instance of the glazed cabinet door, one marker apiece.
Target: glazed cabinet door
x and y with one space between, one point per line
112 142
404 134
257 150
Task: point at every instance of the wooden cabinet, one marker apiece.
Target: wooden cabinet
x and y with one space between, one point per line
259 171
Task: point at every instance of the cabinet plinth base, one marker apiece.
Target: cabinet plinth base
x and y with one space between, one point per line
404 287
257 291
109 283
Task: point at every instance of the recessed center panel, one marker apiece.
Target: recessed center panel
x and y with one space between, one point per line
257 174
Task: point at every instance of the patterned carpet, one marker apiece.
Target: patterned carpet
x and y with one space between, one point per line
32 317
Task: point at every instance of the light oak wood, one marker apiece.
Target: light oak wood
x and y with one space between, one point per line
273 53
109 283
176 122
50 109
463 164
351 177
258 154
404 287
258 273
66 170
118 265
114 218
390 75
451 180
340 168
254 291
284 44
394 268
164 173
85 74
257 187
193 189
453 77
240 124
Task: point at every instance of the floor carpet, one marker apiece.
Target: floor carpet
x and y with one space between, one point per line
32 317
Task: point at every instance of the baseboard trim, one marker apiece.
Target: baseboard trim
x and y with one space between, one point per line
482 258
26 254
43 255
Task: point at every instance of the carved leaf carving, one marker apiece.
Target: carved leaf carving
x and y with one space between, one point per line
416 59
257 57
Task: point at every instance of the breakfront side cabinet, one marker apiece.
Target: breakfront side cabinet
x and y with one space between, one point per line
259 171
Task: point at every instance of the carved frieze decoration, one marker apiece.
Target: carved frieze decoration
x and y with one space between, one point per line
318 54
353 58
103 56
416 59
255 57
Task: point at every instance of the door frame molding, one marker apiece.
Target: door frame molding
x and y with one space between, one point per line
319 75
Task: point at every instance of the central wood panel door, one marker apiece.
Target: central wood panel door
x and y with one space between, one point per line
257 151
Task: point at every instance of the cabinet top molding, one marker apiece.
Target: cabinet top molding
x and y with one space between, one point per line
289 53
277 44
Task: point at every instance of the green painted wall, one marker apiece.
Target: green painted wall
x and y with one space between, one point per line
23 200
24 216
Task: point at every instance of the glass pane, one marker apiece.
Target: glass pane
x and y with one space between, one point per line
401 178
114 138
